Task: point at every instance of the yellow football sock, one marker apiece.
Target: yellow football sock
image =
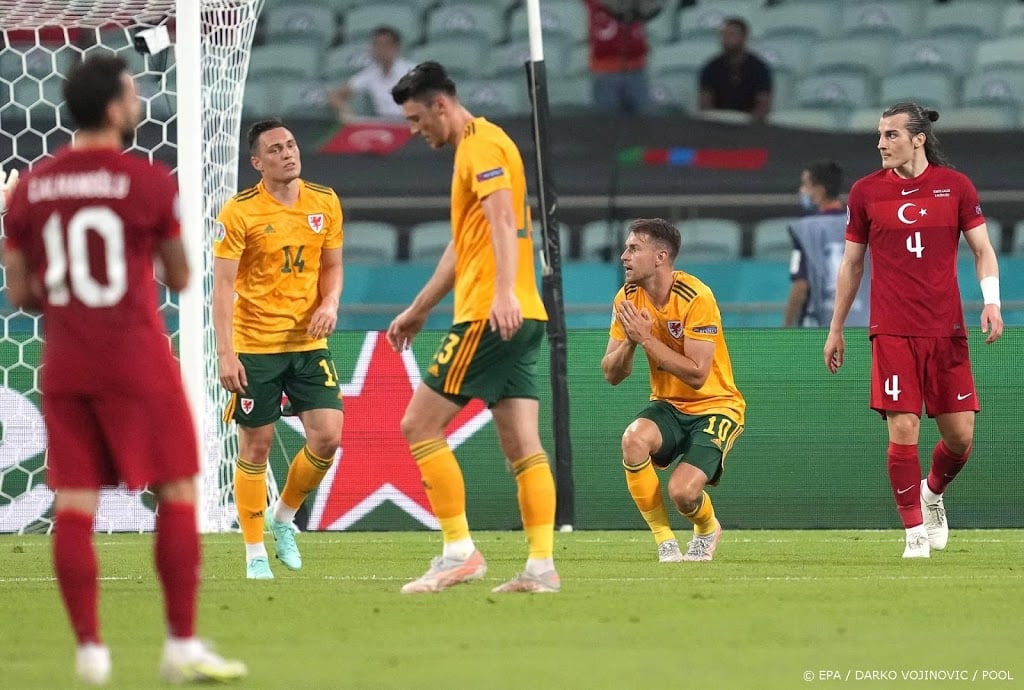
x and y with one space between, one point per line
645 489
536 502
250 499
703 518
446 490
304 475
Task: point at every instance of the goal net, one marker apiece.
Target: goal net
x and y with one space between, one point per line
195 130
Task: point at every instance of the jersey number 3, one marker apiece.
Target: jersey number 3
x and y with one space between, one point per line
70 269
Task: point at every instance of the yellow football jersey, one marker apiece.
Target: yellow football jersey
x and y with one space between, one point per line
691 312
487 160
278 251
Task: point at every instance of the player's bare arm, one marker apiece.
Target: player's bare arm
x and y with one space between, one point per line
851 271
23 288
617 363
325 316
691 366
175 271
232 373
506 315
410 322
987 267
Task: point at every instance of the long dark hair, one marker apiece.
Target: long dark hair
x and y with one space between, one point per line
919 121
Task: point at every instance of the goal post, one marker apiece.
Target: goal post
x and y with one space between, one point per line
192 95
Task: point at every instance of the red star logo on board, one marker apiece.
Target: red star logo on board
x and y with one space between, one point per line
375 464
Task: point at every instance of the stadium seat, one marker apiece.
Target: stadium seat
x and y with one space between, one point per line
979 118
370 242
772 240
930 89
784 54
709 239
995 236
1018 239
1000 86
951 55
256 100
834 90
687 55
662 28
342 62
975 20
892 19
867 55
304 99
602 240
428 240
360 21
1013 20
865 120
493 98
285 61
829 119
461 19
577 60
705 19
566 18
1000 52
570 95
564 240
301 22
463 57
674 92
509 59
808 18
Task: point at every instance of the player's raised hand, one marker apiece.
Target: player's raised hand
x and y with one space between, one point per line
404 328
232 373
8 181
992 323
835 347
637 323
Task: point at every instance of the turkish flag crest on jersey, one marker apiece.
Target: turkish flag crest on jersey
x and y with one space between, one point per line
316 222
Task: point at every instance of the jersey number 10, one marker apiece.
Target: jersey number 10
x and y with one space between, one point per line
71 268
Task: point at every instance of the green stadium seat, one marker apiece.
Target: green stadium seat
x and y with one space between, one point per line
809 18
285 61
827 119
867 55
256 99
709 239
1001 86
300 22
784 54
370 242
463 57
892 19
602 240
676 91
429 239
577 60
662 28
570 95
979 118
304 99
995 236
342 62
494 98
705 19
950 54
930 89
1000 52
975 19
834 91
566 18
772 240
360 21
687 55
1013 20
461 19
865 120
509 59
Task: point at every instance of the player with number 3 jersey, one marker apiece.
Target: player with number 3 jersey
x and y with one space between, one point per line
911 213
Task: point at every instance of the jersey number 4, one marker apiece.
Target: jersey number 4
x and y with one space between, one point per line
68 273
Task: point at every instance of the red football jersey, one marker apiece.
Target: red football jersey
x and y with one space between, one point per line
89 222
912 228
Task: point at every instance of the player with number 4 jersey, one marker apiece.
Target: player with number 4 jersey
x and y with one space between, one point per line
912 214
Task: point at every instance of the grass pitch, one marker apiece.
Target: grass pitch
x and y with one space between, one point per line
774 609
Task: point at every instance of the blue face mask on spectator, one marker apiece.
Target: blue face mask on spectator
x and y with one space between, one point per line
805 201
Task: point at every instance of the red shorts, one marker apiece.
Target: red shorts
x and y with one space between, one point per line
908 372
97 441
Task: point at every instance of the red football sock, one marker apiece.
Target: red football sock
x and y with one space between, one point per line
177 561
905 480
945 466
74 561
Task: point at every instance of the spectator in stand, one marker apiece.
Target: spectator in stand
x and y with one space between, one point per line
377 78
618 54
736 79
